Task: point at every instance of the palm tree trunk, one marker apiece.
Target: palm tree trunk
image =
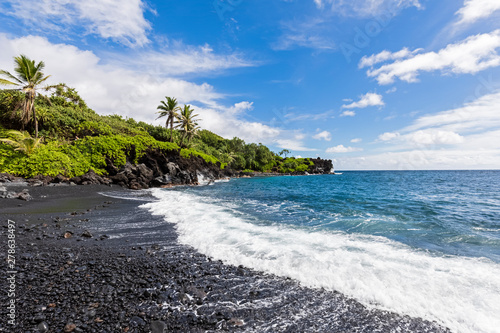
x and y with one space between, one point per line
171 129
182 139
32 107
36 122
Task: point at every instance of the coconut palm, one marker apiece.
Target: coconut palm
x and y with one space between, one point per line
29 76
169 110
22 141
187 123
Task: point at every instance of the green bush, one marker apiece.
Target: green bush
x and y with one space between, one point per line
93 128
187 153
76 158
47 160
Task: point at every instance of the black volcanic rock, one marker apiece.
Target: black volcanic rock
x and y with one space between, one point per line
320 166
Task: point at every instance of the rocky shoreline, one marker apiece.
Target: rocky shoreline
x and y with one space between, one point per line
157 168
79 269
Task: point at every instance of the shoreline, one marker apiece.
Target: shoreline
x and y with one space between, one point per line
142 280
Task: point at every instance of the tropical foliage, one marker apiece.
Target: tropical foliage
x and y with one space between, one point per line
22 141
29 76
187 123
169 110
73 138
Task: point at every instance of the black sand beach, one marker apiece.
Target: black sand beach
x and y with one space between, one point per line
82 264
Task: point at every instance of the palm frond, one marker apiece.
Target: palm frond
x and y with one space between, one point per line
10 76
22 141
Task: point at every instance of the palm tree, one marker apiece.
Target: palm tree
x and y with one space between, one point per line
187 123
169 110
28 80
22 141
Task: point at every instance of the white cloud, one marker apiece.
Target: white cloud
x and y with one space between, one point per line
474 10
292 145
472 55
240 108
180 60
368 99
477 116
388 136
325 135
122 21
432 159
425 137
366 8
292 116
342 149
292 40
463 138
356 140
384 56
304 33
348 114
111 89
435 137
226 123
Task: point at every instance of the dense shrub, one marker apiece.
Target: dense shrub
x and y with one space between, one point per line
78 139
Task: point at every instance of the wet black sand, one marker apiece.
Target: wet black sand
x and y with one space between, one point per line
141 280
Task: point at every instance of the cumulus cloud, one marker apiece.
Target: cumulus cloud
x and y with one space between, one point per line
366 8
474 10
122 21
388 136
425 137
431 159
435 137
226 123
366 100
356 140
467 137
472 55
110 88
324 135
384 56
342 149
348 114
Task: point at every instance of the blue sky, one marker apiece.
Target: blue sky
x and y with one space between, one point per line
371 84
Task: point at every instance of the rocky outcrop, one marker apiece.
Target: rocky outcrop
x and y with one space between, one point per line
156 168
320 166
7 178
23 195
89 178
159 168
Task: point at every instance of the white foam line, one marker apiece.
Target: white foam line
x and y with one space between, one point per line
461 293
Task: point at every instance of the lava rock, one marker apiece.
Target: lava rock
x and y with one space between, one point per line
86 234
157 326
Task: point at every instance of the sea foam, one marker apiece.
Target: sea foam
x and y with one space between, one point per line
461 293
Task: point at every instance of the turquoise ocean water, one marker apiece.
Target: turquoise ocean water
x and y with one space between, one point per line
422 243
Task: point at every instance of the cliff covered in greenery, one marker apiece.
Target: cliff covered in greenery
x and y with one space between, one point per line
58 134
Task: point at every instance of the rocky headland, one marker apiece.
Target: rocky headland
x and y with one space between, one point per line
156 168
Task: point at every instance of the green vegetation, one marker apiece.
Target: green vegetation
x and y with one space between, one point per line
74 139
169 110
28 80
22 141
187 123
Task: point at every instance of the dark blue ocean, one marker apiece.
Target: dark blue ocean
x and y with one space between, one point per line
422 243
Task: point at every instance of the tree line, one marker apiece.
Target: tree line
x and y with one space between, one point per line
59 119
